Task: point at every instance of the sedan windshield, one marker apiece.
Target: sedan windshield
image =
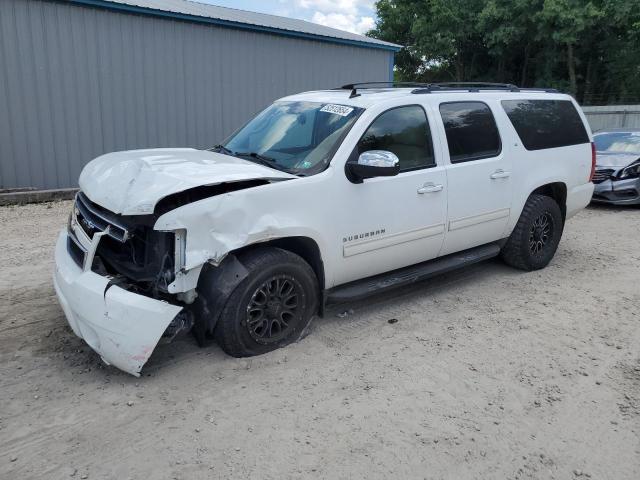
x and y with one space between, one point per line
297 137
618 142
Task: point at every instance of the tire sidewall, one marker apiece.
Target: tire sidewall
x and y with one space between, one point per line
549 206
235 312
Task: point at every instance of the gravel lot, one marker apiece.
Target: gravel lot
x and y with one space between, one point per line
487 373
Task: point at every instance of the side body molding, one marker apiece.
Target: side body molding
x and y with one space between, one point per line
392 239
477 219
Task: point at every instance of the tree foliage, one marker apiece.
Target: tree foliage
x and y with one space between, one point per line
590 49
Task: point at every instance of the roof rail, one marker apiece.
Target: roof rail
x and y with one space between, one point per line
350 86
476 87
442 87
354 86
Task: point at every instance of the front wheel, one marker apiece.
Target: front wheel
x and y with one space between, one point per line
271 307
536 236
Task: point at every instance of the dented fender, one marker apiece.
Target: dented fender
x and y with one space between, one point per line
221 224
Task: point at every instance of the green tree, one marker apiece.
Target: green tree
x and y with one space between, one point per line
566 23
590 48
507 27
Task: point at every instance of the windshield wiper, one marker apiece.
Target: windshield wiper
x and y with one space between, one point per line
222 149
263 160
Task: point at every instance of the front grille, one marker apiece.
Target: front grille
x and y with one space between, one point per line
601 175
93 218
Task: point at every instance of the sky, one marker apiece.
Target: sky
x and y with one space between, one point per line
356 16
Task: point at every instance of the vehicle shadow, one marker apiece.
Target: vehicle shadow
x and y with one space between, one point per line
185 348
452 280
603 207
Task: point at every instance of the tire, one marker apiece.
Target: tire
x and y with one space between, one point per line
270 308
536 236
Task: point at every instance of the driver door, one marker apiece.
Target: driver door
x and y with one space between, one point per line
393 222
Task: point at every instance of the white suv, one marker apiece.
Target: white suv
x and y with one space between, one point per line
325 196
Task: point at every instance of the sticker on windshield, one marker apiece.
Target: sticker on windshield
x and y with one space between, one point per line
337 109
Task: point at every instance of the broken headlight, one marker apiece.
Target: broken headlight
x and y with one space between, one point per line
632 171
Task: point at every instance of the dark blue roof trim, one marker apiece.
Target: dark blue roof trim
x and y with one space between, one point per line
229 24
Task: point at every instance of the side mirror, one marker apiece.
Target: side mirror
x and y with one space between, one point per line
374 163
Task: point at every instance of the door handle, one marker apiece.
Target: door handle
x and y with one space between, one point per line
500 174
430 188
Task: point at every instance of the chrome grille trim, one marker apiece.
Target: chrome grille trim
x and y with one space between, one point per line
90 218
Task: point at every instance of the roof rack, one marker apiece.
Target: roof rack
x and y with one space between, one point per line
442 87
354 86
473 86
476 87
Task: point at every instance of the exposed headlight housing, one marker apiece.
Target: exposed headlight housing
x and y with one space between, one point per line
632 171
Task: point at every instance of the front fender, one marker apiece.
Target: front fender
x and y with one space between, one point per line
222 224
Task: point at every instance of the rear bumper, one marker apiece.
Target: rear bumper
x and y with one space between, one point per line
578 198
122 327
619 192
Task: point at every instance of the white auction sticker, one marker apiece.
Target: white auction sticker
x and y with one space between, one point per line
337 109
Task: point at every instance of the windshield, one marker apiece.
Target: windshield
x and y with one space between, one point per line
618 142
297 137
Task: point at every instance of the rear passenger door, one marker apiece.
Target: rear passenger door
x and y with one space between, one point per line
478 176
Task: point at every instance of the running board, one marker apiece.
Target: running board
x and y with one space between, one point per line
405 276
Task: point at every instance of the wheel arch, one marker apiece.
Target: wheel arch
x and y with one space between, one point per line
224 278
304 247
557 191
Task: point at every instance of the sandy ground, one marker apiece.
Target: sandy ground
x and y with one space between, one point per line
487 373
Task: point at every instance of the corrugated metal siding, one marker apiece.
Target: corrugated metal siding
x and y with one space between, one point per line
613 116
76 82
199 11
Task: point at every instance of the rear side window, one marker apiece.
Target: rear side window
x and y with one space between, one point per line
403 131
471 131
546 123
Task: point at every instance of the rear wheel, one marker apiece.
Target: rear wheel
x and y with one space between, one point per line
536 236
271 307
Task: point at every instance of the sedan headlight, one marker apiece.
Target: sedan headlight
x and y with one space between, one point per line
632 171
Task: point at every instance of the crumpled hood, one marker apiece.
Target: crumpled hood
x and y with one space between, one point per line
132 182
615 160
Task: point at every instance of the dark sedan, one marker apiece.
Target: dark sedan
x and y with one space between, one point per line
617 175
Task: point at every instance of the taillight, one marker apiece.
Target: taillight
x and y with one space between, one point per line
593 161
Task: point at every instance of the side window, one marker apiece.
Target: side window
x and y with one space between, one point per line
471 131
546 123
403 131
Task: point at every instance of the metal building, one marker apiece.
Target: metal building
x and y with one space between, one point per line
79 78
613 116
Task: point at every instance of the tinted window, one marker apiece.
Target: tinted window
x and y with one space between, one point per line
403 131
471 131
546 123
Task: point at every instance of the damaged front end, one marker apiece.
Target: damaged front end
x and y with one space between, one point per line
128 248
112 277
124 281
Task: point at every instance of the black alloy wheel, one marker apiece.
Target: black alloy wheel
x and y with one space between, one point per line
540 233
535 238
274 309
271 307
